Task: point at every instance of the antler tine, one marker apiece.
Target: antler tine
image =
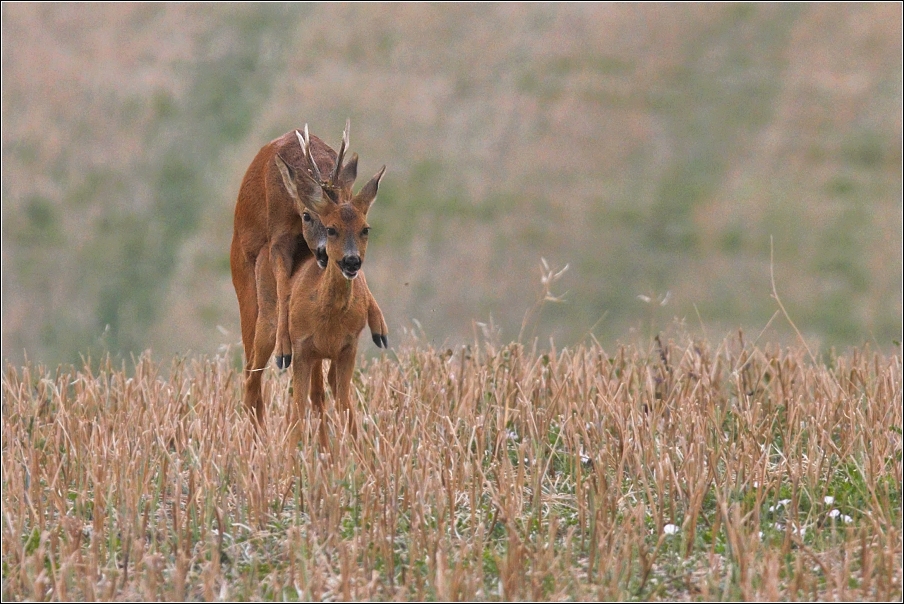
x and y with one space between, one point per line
301 141
306 148
334 177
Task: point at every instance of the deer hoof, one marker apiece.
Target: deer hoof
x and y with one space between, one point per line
283 361
380 340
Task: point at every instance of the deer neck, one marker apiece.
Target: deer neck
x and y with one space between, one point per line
335 289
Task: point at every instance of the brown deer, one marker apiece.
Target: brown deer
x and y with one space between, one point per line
315 235
268 219
329 307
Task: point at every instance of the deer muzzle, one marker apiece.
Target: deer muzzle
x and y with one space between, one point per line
320 255
350 266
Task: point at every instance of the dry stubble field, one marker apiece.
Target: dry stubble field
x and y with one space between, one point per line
692 471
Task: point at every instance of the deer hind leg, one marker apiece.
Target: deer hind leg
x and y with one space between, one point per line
244 281
341 383
317 399
301 384
244 278
264 336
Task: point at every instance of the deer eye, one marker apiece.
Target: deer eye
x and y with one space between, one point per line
306 217
365 231
331 231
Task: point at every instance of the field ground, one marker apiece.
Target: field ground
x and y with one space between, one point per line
687 471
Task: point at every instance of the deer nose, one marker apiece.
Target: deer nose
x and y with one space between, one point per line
350 264
322 258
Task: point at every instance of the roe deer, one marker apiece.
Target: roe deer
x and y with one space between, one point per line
315 235
329 307
268 217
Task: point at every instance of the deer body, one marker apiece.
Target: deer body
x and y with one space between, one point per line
272 238
329 307
325 323
325 346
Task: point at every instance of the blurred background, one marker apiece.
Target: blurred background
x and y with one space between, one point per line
657 150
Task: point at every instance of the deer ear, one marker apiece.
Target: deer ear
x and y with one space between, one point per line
349 172
368 193
310 196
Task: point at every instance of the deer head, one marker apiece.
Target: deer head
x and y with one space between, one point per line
315 236
343 215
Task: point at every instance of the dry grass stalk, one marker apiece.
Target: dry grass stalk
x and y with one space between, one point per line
491 472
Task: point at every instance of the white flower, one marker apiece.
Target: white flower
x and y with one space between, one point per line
780 504
836 514
670 529
829 500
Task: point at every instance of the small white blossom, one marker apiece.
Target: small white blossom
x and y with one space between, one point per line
779 505
836 514
670 529
829 500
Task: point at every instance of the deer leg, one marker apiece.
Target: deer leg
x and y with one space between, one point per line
317 391
377 324
243 279
301 382
375 320
281 254
331 376
264 337
345 367
317 399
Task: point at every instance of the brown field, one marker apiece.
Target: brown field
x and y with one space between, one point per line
689 471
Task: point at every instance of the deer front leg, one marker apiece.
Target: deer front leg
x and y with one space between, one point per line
375 321
281 252
378 329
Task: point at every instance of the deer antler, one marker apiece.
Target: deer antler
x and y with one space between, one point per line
305 141
334 177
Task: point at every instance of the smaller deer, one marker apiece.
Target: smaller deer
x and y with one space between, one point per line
315 235
328 307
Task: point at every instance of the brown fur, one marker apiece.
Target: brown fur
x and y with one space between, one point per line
268 218
265 333
265 327
330 307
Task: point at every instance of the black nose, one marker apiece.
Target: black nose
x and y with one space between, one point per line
350 264
320 254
